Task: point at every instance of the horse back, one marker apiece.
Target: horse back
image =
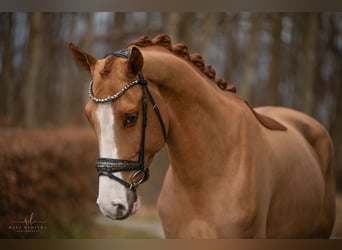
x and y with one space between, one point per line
313 132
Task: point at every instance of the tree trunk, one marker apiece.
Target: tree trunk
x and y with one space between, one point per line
33 74
250 55
7 96
233 60
311 69
171 24
274 97
186 31
118 34
208 32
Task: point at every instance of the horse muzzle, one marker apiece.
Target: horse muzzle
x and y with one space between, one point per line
117 210
115 200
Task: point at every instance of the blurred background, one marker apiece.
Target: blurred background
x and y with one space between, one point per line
47 149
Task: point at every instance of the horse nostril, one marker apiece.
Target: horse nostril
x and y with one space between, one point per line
120 209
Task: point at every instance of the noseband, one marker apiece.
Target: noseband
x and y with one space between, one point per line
108 166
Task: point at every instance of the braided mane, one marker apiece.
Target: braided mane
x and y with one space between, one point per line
181 50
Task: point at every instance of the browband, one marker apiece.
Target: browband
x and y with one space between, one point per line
124 53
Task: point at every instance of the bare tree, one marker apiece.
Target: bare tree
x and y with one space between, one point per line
274 77
7 105
233 59
33 75
311 67
250 56
208 31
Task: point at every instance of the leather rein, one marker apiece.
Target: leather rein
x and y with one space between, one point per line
108 166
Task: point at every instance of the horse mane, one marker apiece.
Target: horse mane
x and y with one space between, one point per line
182 51
107 67
196 59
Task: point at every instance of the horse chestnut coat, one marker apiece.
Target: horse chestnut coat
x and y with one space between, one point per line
235 171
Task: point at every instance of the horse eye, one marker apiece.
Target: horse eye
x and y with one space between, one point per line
130 119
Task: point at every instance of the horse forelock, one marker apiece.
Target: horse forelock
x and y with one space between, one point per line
182 51
107 68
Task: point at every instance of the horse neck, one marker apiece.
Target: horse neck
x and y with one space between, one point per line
179 82
204 121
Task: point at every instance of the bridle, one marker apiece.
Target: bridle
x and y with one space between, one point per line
108 166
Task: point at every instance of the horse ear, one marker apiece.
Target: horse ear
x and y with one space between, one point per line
83 60
135 61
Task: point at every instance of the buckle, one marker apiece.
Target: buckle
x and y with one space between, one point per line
142 80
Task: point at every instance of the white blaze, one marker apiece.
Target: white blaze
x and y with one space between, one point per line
105 118
110 191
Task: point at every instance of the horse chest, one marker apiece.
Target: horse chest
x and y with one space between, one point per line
205 216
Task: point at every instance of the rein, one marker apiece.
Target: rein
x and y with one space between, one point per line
108 166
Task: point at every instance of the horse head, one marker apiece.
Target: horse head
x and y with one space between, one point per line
130 129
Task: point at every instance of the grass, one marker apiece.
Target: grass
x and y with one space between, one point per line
99 227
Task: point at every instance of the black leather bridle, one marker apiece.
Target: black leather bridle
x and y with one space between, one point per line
108 166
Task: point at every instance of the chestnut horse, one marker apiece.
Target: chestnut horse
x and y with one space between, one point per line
234 172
